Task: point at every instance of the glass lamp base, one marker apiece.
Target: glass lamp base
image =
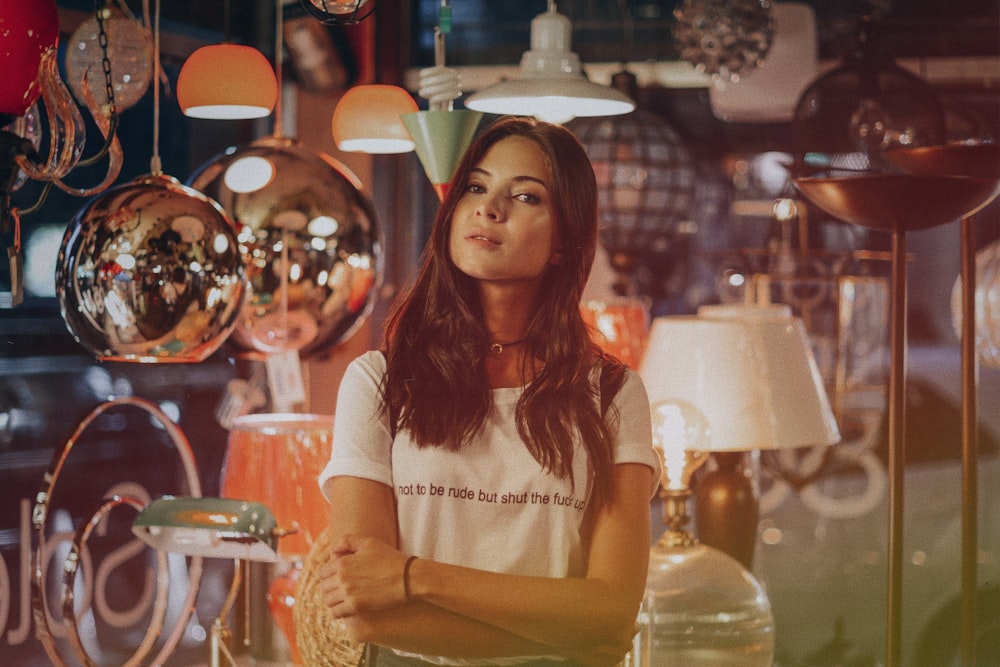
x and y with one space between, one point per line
702 607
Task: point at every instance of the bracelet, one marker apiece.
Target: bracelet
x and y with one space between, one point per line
406 577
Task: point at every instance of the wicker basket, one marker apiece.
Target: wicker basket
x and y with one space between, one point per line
322 639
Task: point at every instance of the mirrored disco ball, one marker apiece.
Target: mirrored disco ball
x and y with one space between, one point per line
724 38
150 271
309 241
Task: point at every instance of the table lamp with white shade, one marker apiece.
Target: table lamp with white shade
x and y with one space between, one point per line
730 379
788 408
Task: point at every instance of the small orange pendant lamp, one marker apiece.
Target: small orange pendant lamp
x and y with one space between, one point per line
380 118
227 82
367 120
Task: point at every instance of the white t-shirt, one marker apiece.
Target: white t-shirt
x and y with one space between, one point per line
490 505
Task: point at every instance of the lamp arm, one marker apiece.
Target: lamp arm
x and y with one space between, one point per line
107 123
112 148
220 633
219 647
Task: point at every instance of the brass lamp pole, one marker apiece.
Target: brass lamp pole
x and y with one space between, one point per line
982 161
897 204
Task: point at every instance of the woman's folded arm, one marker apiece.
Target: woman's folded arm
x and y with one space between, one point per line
458 609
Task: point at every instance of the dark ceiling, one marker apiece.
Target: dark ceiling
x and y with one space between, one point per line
487 32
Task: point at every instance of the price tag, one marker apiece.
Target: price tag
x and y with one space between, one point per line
240 397
16 276
284 379
16 264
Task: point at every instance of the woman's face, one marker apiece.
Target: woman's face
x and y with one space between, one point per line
504 227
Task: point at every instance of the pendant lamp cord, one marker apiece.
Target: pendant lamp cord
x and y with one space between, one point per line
227 22
628 32
279 45
155 166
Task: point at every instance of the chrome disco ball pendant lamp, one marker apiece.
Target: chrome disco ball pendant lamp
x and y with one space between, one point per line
309 240
726 39
150 271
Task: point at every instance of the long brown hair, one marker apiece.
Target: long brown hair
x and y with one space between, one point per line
436 342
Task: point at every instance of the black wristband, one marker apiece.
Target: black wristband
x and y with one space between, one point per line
406 577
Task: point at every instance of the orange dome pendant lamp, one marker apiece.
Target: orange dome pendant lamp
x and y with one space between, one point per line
227 82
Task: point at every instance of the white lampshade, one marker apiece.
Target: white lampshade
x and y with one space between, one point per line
550 85
748 370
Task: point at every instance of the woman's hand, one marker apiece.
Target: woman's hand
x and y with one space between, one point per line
362 574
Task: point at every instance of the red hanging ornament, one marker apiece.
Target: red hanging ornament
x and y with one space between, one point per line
27 30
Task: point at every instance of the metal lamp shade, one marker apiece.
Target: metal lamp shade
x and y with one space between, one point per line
211 527
368 119
441 138
550 85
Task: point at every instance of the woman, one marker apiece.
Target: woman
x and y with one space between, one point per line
486 509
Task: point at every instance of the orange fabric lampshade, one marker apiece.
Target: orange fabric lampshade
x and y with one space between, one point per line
367 119
620 327
276 459
227 81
